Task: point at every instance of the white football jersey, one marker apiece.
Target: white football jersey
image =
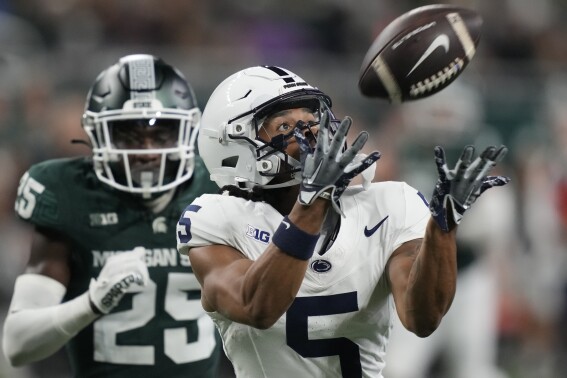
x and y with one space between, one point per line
340 321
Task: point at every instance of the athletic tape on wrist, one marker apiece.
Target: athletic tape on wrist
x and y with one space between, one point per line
294 241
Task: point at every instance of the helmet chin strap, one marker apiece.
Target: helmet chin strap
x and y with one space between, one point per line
286 184
155 203
245 184
159 203
146 181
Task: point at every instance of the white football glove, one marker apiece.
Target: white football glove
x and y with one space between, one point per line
122 273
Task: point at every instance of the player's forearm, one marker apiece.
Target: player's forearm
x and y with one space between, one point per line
432 281
38 325
272 282
270 287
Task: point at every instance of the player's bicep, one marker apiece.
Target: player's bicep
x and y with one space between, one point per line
49 256
220 270
398 270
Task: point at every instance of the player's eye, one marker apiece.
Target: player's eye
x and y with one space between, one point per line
127 137
284 128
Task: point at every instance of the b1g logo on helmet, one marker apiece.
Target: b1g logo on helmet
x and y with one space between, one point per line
257 234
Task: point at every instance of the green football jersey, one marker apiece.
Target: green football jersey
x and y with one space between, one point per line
159 332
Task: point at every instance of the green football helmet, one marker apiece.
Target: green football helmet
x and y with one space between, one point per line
142 118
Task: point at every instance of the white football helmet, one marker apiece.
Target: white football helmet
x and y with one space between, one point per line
142 92
228 139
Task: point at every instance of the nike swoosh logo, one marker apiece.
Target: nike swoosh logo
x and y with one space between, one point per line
441 41
285 224
311 180
368 233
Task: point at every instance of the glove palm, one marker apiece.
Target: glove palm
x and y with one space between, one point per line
326 170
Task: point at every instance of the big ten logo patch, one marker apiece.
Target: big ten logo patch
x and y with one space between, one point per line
257 234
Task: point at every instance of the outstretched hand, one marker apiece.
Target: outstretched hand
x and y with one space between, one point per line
461 186
326 170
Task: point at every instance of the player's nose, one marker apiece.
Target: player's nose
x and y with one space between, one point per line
309 129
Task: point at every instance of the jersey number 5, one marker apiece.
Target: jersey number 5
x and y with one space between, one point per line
298 337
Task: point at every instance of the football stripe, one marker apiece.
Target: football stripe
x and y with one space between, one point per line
142 77
387 79
463 34
285 75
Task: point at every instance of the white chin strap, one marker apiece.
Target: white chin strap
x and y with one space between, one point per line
293 182
146 181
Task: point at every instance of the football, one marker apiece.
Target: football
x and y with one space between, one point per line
420 53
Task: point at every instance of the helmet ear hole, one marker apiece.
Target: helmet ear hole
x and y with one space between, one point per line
231 161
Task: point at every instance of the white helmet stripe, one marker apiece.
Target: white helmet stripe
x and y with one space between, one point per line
142 76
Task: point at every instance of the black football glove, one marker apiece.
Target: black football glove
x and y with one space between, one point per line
326 171
462 185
